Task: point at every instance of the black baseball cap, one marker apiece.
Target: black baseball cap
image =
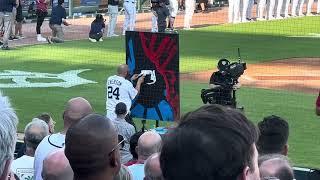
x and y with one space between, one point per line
121 108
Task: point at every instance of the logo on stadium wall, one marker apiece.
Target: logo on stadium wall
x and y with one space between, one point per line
24 79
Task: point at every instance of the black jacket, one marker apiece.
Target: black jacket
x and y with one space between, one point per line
7 5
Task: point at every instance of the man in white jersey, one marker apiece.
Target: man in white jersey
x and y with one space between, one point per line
261 9
234 11
173 9
129 15
244 4
296 8
285 8
249 10
270 9
190 7
278 8
119 89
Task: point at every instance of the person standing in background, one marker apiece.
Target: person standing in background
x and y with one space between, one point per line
154 18
309 7
6 14
173 9
244 4
301 3
285 8
249 10
190 6
261 7
278 9
42 12
13 20
296 8
270 9
129 15
19 19
162 14
234 11
113 14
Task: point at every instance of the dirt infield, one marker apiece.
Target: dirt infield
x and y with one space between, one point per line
81 26
295 74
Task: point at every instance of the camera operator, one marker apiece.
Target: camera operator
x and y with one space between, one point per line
161 12
220 85
218 79
227 75
223 83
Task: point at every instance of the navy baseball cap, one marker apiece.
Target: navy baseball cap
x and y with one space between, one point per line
121 108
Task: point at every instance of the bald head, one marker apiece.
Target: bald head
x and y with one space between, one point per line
275 165
148 144
75 109
91 147
56 167
34 132
123 70
152 168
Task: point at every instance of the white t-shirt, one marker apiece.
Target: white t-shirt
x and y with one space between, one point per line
23 167
118 90
49 144
137 171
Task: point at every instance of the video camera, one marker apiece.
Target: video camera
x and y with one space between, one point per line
230 71
223 82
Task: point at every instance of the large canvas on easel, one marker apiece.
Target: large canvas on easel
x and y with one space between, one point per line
155 54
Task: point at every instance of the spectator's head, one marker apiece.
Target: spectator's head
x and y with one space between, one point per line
48 119
273 139
60 2
99 18
134 143
123 70
8 129
152 168
34 132
212 142
149 143
275 165
56 167
75 109
121 110
92 148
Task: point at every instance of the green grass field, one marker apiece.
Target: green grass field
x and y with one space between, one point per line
199 50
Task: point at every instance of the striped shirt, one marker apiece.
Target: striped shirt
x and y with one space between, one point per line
126 130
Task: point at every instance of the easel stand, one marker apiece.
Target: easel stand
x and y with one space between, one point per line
143 129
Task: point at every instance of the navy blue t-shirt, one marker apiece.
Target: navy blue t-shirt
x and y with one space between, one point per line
7 5
96 27
58 13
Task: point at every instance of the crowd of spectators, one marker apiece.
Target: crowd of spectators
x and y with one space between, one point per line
211 142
